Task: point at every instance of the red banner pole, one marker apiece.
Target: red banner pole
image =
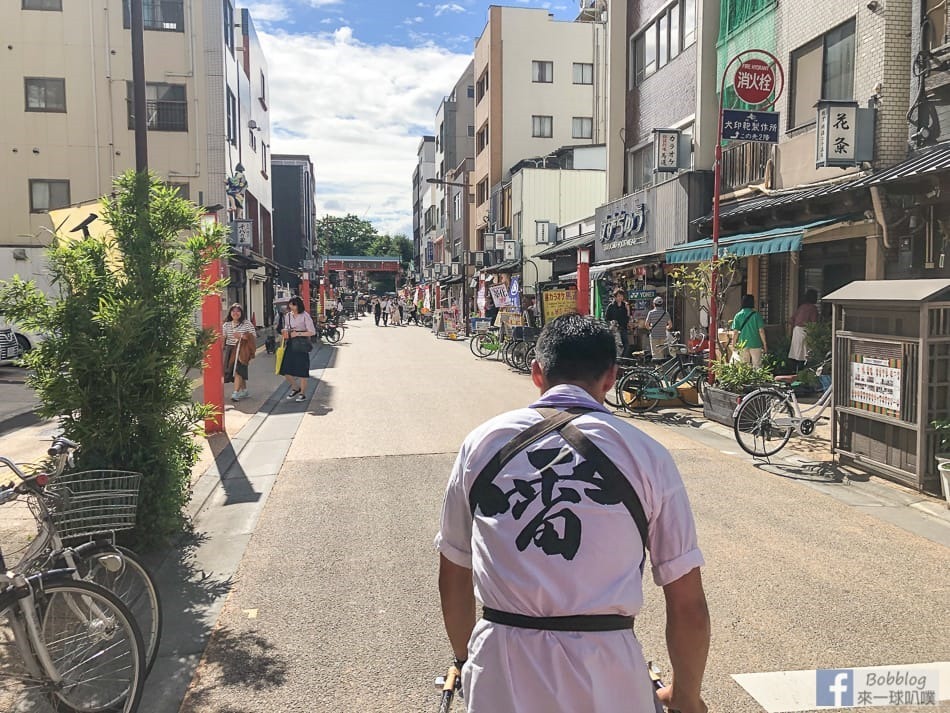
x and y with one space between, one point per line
213 371
305 292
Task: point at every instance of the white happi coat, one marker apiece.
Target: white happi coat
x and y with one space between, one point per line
548 547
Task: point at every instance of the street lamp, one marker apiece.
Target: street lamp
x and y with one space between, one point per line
466 187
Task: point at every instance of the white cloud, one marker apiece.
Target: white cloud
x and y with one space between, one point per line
359 111
449 7
322 3
326 21
267 11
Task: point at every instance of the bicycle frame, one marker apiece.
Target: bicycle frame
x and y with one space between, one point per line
796 422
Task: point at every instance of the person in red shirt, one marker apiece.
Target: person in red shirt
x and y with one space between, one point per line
807 313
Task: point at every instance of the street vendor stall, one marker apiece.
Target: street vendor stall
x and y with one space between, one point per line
891 376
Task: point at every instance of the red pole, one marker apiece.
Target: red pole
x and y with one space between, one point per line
583 285
213 372
305 292
321 307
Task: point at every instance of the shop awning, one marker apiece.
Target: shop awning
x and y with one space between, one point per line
566 246
598 270
454 280
507 266
768 242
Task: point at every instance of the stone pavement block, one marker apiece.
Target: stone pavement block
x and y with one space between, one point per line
235 507
278 426
261 458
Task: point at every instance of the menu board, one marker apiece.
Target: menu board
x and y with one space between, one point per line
554 303
876 385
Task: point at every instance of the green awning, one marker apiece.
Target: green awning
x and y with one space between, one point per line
769 242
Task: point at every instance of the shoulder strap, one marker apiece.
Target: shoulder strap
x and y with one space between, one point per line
746 320
555 420
658 320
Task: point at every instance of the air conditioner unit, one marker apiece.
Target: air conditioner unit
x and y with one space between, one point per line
456 269
479 259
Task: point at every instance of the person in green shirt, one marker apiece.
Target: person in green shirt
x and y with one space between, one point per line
749 332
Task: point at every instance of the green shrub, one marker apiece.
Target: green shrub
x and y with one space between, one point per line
738 376
818 341
120 337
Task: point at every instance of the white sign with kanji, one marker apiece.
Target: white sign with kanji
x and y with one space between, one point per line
836 135
666 150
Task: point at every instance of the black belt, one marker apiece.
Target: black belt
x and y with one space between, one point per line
583 622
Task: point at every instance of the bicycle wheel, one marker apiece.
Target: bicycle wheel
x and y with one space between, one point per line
94 644
122 573
754 426
334 334
518 353
483 345
631 391
690 383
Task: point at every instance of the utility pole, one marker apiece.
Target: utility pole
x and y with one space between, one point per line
139 108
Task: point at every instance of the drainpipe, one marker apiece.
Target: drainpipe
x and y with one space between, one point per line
879 216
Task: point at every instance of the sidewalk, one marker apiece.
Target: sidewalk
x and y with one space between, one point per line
227 499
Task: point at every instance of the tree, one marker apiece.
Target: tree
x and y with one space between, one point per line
392 246
120 338
345 236
693 283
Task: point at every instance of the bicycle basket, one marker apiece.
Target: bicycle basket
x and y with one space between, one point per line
481 326
93 501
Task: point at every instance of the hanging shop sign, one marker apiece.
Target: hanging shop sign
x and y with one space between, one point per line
666 150
625 227
499 295
758 126
876 385
641 302
554 303
242 233
514 294
845 135
511 252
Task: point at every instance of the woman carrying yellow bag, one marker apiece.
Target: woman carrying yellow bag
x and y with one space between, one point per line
280 358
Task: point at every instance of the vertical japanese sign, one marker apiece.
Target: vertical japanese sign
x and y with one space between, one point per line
514 295
837 134
666 145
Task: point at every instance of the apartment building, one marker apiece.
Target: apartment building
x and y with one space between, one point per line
295 216
208 114
539 86
843 124
421 199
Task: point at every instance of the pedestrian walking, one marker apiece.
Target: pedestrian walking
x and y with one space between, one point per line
385 308
240 347
658 323
298 329
402 311
529 315
749 333
807 313
535 507
377 310
619 311
394 312
414 313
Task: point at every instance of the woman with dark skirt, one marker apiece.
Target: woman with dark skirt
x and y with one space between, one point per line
239 334
298 329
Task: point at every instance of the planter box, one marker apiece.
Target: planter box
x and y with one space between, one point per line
718 405
944 472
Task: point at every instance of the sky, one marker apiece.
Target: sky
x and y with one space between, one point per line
357 84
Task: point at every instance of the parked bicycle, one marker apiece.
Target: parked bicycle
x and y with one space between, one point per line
91 505
331 330
765 419
682 376
65 644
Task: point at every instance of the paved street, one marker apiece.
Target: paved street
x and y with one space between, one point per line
335 608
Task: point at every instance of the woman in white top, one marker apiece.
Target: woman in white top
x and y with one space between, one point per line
394 312
235 330
296 364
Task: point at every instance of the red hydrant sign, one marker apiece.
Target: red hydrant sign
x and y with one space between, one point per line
754 81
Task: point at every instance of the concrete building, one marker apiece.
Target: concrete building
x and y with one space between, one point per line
72 132
539 86
421 198
295 216
856 57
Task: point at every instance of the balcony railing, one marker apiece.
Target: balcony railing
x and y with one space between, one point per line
167 15
744 163
163 115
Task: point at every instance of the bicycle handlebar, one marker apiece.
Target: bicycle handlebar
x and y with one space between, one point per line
61 446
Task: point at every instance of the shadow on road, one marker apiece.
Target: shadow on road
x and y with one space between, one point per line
816 472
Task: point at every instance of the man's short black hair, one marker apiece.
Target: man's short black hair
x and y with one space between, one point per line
573 348
748 301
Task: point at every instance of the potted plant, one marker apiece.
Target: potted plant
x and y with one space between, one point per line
733 379
942 451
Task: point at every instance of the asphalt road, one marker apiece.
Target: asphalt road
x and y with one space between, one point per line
335 605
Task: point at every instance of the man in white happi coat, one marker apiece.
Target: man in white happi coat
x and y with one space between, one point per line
543 527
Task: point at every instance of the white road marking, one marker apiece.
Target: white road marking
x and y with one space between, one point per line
251 613
789 691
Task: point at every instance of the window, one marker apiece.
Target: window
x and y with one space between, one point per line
481 191
583 73
252 139
263 97
481 88
45 94
231 118
265 151
736 14
640 168
55 5
481 141
229 26
470 91
822 69
457 207
582 127
167 15
663 39
48 194
471 130
166 106
184 190
542 127
542 72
